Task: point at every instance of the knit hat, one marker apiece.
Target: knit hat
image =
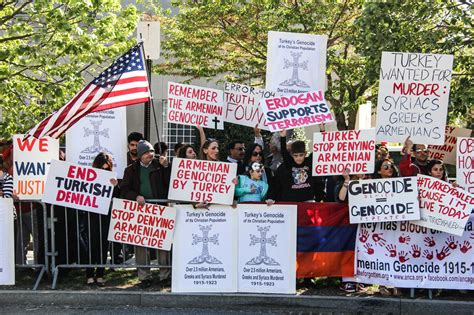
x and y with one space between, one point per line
143 147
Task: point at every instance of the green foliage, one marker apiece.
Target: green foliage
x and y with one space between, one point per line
47 48
227 40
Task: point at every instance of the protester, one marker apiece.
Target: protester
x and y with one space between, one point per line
236 153
385 168
411 166
209 150
161 149
293 179
381 152
133 139
147 178
255 154
251 187
437 169
187 152
95 228
6 182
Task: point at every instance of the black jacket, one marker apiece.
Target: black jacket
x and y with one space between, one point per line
159 180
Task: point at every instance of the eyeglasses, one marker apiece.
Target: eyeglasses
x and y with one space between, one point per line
422 150
256 154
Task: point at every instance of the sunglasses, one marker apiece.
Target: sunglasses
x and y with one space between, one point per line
258 171
256 154
387 166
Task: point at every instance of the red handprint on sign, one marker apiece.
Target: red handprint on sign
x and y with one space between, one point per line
404 239
402 257
466 246
392 250
364 235
416 251
451 242
378 237
427 254
443 253
429 241
369 249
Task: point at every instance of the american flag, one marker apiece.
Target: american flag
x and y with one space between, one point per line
124 83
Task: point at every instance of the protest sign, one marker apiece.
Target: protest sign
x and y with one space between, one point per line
32 158
382 200
79 187
195 106
104 131
296 62
205 250
293 111
405 255
443 207
202 181
241 103
413 97
465 164
147 225
7 245
447 151
267 248
335 151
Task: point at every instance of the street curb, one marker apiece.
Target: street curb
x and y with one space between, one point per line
247 302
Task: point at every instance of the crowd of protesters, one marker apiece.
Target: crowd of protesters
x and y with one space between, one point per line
284 175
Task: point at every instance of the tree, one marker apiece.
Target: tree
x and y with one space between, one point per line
48 48
228 41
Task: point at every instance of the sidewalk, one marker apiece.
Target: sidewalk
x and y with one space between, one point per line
247 302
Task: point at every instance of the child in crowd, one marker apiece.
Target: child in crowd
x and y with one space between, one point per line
251 187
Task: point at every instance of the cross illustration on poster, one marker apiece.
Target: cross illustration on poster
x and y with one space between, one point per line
205 257
96 147
263 258
295 64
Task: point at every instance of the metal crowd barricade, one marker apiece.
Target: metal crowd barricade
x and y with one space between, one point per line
74 226
31 228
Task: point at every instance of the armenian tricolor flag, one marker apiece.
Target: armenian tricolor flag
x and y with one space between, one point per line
325 241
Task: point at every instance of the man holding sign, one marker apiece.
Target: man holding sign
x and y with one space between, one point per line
147 178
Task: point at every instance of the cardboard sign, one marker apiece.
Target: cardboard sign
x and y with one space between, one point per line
267 248
465 164
31 164
205 250
335 151
241 102
293 111
296 62
78 187
442 206
382 200
195 106
7 245
104 131
149 225
447 151
413 97
404 255
202 181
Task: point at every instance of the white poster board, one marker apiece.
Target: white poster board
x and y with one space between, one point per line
195 106
32 158
383 200
465 164
404 255
150 225
202 181
447 151
79 187
294 111
443 207
242 105
413 97
205 250
267 248
335 151
7 244
104 131
296 62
